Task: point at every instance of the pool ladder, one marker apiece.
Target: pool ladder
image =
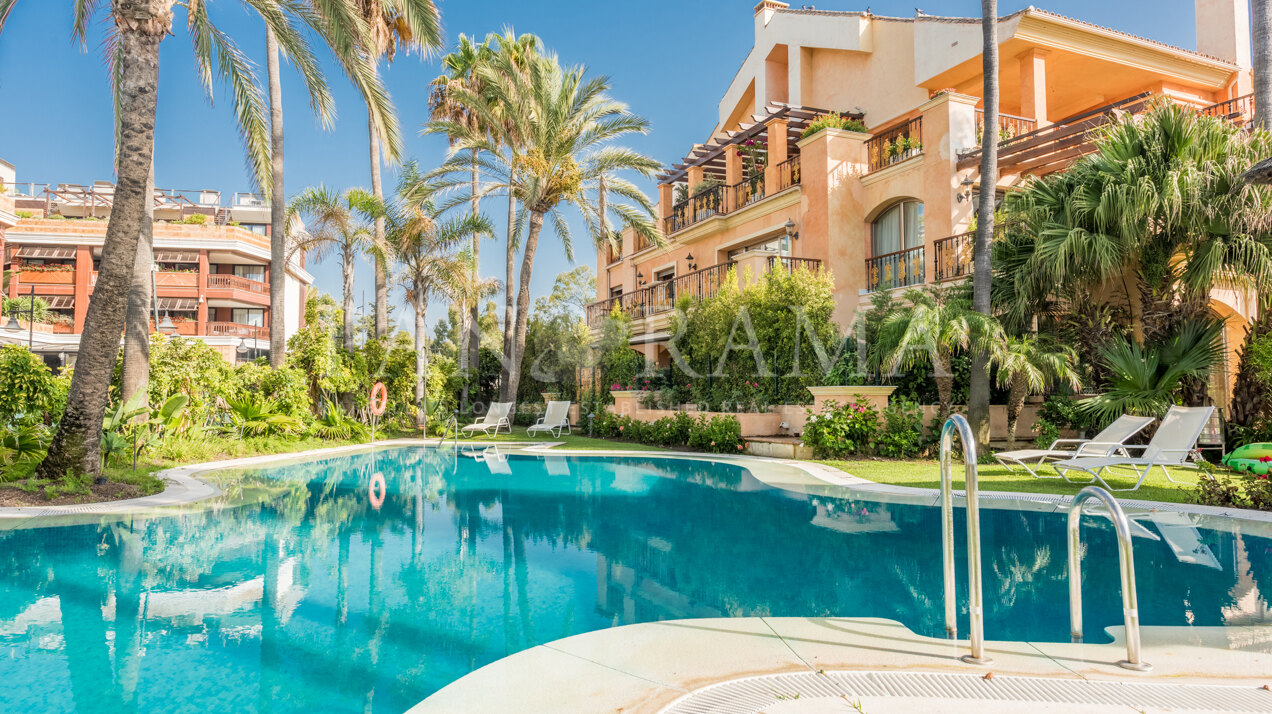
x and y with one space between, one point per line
452 427
957 423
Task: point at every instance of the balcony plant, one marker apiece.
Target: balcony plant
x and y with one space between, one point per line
832 121
754 153
706 198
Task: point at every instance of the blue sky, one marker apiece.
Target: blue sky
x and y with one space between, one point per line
670 61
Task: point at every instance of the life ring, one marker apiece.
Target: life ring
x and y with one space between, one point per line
376 490
379 398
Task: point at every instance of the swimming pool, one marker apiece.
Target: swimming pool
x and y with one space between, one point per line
293 592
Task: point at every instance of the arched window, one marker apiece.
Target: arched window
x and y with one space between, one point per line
898 228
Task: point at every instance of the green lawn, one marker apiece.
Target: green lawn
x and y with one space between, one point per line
569 441
926 474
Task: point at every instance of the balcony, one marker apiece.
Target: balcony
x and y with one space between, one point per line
895 145
236 329
902 269
223 281
1009 126
954 256
1240 111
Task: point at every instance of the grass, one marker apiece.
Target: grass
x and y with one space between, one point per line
995 477
568 441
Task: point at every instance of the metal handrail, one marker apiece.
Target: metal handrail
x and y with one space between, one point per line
1126 557
975 602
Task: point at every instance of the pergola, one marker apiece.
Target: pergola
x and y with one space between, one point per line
710 156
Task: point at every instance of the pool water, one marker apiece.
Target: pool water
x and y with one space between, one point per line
306 597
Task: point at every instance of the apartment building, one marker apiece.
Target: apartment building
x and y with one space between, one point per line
211 274
890 207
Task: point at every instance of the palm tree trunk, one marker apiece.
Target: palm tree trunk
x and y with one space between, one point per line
136 369
277 211
76 446
346 270
510 260
381 270
1015 402
978 389
1261 33
474 319
509 393
421 360
944 386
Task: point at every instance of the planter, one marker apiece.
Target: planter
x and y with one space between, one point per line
46 277
874 395
550 396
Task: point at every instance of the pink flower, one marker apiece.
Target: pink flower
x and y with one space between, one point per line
739 447
621 428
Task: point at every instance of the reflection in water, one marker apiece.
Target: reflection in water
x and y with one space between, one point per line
313 594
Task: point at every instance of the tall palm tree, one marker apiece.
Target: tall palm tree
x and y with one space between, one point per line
335 222
136 29
391 25
1261 36
982 272
556 134
1028 365
927 329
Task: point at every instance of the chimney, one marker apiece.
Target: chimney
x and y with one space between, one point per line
1223 30
764 11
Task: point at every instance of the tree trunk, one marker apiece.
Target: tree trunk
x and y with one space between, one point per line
1015 402
346 270
76 445
421 360
277 212
510 260
474 318
978 389
381 269
136 369
1251 400
523 306
1261 35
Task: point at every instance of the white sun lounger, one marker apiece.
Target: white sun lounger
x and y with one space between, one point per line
555 419
496 418
1107 443
1172 445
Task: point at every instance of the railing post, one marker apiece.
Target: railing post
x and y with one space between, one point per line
1126 560
975 604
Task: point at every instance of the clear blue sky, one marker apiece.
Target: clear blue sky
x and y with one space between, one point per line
670 61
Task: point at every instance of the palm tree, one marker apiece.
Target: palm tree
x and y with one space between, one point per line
138 27
982 272
391 25
1147 379
1028 365
1261 28
335 221
424 245
926 330
556 134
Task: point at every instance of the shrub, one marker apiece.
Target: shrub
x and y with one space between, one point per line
841 430
28 389
721 434
1225 489
287 387
191 367
1059 413
195 219
20 307
902 434
832 121
25 214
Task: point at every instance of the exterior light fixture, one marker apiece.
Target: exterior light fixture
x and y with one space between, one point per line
965 189
242 346
167 327
14 325
689 257
790 229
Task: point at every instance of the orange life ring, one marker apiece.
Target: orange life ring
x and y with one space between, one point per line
379 398
376 490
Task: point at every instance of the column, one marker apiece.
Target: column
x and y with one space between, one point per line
83 281
202 318
1033 85
777 154
666 199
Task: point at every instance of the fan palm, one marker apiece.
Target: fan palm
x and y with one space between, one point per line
926 330
392 25
136 30
553 128
336 222
1028 365
1146 379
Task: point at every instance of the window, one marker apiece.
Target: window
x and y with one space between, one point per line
257 228
248 316
251 272
663 276
616 291
773 245
898 228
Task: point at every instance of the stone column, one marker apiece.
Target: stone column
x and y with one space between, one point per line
83 282
202 318
1033 85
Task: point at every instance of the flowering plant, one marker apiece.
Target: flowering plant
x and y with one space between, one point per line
841 430
754 153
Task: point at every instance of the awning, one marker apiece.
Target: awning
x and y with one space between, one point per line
178 304
44 252
175 256
58 302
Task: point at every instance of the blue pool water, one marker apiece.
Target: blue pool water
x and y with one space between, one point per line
305 597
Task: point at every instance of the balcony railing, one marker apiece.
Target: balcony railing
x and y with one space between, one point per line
661 297
1009 125
236 329
226 281
895 270
790 264
954 256
1239 110
787 173
721 200
896 144
744 193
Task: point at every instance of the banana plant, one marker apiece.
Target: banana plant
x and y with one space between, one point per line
114 439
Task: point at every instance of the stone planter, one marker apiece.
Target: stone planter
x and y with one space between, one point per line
875 396
626 401
550 396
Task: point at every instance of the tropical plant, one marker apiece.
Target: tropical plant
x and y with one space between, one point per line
927 330
115 426
254 417
832 121
28 389
1146 379
337 222
553 128
23 442
1029 365
335 424
982 270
